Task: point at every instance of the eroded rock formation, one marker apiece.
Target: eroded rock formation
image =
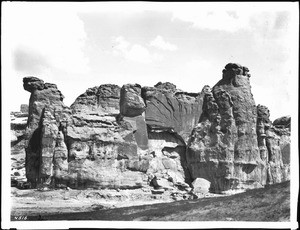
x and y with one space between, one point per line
47 114
18 127
133 137
269 146
229 146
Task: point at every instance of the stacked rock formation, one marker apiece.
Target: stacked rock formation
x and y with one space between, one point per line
134 136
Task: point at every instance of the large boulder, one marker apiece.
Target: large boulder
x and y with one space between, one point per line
131 102
200 185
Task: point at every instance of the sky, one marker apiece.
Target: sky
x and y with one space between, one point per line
82 45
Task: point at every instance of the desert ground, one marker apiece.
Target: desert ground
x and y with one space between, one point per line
271 203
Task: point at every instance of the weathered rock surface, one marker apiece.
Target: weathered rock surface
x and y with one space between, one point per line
227 147
18 127
172 109
136 137
47 114
24 108
169 160
131 102
272 141
283 122
18 124
103 154
102 141
98 100
201 185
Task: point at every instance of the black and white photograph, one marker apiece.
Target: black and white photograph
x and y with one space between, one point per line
149 115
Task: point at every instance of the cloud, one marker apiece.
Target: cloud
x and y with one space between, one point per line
133 52
271 25
256 18
160 43
49 31
215 19
27 60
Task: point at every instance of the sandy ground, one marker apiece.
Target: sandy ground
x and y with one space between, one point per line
265 204
31 202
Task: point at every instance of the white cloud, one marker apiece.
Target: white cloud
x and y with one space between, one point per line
255 17
133 52
160 43
223 20
52 32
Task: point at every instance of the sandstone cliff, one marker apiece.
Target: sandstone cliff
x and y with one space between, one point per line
229 146
132 136
101 141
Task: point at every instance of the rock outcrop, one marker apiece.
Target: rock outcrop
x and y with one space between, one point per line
282 128
272 142
228 146
47 114
134 137
18 127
